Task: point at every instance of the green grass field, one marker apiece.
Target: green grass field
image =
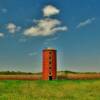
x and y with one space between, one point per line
50 90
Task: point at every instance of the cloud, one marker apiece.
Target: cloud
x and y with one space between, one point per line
22 40
12 28
47 41
52 39
86 22
33 54
50 10
1 35
4 10
45 27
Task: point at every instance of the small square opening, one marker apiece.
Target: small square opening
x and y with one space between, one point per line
50 77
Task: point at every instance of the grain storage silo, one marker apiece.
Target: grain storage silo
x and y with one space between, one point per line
49 64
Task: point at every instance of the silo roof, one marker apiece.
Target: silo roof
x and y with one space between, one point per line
49 48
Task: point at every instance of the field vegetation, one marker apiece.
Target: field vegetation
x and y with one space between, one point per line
50 90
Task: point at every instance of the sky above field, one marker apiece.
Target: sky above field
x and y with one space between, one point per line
70 26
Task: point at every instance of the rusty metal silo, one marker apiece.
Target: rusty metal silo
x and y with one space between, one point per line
49 60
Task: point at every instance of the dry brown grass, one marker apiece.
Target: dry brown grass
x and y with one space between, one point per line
62 76
80 76
19 77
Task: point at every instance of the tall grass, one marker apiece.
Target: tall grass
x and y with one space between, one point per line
50 90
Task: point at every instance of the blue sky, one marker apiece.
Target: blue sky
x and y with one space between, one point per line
70 26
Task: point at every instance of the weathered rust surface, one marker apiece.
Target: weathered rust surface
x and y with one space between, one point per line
47 54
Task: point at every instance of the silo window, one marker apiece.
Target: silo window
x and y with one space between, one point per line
50 62
50 57
50 52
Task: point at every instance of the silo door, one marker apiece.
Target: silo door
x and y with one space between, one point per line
50 77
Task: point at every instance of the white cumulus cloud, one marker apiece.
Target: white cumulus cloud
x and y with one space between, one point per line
12 28
50 10
1 34
45 27
86 22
